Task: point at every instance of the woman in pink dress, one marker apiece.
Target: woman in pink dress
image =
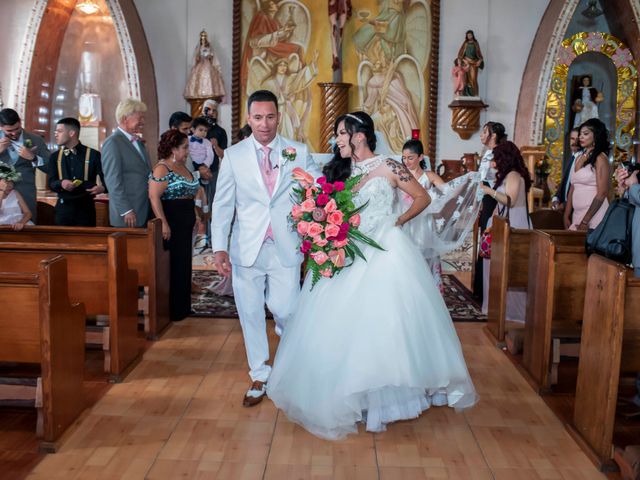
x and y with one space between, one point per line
587 199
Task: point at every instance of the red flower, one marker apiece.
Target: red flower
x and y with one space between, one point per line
321 180
344 231
327 188
322 200
338 186
306 246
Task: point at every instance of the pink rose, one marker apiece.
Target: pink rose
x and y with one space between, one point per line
322 200
327 188
331 206
340 243
321 180
315 229
344 231
354 220
337 257
319 257
319 241
296 212
306 246
308 205
338 186
299 175
335 217
331 231
326 272
303 227
319 215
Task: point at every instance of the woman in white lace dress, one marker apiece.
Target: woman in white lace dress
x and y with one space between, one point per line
374 344
13 209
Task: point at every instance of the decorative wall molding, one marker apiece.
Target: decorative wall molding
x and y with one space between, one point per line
129 61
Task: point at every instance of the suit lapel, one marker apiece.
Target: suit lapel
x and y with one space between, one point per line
131 146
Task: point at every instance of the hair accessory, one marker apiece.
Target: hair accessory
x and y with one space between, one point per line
358 119
8 173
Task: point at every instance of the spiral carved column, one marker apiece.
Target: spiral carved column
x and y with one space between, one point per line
335 102
465 118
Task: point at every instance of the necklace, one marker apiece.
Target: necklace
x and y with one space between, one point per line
365 167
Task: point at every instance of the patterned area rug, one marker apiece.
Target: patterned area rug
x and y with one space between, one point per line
461 304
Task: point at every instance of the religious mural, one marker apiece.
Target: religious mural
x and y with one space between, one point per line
382 47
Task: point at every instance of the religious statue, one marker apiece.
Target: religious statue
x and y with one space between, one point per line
339 13
89 103
585 101
205 78
471 54
459 77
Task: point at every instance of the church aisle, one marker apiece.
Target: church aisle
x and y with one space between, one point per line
179 415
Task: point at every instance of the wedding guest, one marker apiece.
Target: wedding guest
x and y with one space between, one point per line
493 134
126 165
73 174
13 209
510 192
25 152
180 121
244 132
200 149
587 201
413 159
172 188
559 199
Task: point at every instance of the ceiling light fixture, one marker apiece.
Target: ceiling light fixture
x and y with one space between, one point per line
88 7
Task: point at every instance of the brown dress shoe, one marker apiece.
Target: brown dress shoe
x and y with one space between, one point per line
255 394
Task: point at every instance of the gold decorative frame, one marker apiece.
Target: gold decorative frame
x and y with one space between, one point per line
622 59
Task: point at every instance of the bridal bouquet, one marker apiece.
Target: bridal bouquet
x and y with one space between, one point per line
327 220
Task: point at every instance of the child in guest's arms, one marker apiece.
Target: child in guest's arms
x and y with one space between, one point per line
200 149
13 209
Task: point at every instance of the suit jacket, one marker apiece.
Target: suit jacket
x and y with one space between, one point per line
241 189
126 176
26 186
561 192
634 198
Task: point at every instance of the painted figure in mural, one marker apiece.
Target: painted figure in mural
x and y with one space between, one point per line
339 13
470 53
268 39
205 78
290 82
459 76
586 99
383 38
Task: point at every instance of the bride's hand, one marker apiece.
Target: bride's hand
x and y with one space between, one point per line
399 222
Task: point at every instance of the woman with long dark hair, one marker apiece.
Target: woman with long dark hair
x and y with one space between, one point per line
510 189
172 189
587 200
329 373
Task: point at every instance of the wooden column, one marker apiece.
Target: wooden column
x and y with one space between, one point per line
335 102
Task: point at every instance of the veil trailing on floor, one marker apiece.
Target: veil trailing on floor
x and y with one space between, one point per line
445 224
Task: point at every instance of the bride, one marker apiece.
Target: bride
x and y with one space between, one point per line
375 343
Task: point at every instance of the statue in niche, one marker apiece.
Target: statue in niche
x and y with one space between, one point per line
89 103
470 53
585 101
205 78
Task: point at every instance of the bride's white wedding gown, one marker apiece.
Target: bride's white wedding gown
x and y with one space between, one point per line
376 342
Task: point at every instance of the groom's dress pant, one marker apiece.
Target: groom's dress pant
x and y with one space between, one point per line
266 281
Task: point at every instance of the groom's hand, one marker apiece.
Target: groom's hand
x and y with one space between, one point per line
222 263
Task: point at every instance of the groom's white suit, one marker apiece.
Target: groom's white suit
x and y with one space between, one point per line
263 269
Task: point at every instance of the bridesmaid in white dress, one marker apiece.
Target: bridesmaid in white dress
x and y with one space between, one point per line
510 191
13 209
413 159
375 343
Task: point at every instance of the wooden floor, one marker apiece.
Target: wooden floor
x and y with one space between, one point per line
179 415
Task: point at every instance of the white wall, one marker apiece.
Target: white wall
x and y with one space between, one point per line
173 31
505 30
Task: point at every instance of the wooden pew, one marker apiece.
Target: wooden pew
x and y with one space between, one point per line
557 277
610 345
145 253
99 278
509 265
39 325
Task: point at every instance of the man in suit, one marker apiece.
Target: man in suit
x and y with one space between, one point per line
255 181
126 165
73 173
24 151
560 198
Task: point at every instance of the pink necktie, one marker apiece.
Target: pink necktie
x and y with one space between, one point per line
269 181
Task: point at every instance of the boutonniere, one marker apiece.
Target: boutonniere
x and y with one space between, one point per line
28 143
289 154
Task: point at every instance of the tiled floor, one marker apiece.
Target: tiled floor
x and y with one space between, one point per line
179 415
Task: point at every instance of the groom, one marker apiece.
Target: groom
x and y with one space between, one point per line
255 181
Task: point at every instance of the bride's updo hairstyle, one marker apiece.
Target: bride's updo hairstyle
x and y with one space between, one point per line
339 169
168 141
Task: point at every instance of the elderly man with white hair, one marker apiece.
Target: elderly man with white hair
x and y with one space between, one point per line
126 165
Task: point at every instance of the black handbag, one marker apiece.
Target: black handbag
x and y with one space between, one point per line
612 237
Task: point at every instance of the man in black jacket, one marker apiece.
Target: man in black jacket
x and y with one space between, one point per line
560 197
